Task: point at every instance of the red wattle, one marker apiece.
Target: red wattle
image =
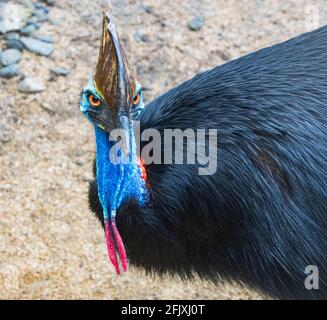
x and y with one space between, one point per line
120 246
111 247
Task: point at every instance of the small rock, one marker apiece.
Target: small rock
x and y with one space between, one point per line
29 29
10 71
10 56
56 22
87 177
59 71
13 16
7 187
37 46
196 23
80 162
5 134
14 44
51 2
12 36
44 38
32 19
41 11
140 37
39 5
31 85
146 9
42 14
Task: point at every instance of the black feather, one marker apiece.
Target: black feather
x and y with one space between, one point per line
262 217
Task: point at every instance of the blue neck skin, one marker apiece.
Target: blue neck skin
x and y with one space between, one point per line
117 182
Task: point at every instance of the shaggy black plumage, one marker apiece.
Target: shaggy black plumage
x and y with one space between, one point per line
262 217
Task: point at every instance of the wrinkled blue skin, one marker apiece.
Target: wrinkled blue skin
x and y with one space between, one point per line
116 182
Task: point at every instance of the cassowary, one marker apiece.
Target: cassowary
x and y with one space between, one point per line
261 217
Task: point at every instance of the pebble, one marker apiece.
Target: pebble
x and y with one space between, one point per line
12 36
29 29
10 71
51 2
140 37
8 10
37 46
196 23
80 162
44 38
56 22
39 5
31 85
146 9
10 56
5 134
87 177
60 71
14 44
7 187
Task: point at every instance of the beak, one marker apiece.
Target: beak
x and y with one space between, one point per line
124 136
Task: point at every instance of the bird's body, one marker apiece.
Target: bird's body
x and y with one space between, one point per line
261 218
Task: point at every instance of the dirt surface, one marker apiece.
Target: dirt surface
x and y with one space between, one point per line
51 246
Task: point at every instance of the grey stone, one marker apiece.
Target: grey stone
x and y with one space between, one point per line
41 11
56 22
44 38
31 85
10 71
13 16
80 162
10 56
196 23
14 44
60 71
87 177
43 18
5 134
51 2
12 36
33 19
140 37
39 5
37 46
29 29
146 9
41 14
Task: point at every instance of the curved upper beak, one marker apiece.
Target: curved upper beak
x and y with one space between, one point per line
123 122
115 81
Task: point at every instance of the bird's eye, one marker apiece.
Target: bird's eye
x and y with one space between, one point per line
136 99
94 101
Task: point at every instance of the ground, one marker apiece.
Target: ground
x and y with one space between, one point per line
51 246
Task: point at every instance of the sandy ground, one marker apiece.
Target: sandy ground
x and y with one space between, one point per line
51 246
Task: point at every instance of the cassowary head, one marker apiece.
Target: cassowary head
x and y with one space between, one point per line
112 100
113 97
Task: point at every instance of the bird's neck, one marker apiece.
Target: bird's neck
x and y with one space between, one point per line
117 182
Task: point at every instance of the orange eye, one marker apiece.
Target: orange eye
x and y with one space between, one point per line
94 101
137 99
